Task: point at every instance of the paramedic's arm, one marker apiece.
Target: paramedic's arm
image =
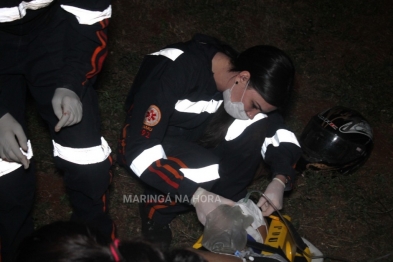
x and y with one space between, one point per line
280 150
86 50
151 108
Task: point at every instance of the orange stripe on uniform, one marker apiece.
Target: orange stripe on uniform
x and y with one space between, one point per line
110 176
129 109
153 209
104 202
113 234
173 171
98 66
164 177
170 169
122 142
178 161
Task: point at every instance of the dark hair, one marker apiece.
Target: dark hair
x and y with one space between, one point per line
64 241
217 128
184 255
271 71
74 242
271 75
221 46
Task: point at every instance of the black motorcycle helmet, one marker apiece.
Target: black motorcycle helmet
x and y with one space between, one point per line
338 139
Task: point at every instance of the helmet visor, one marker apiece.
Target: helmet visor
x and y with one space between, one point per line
320 145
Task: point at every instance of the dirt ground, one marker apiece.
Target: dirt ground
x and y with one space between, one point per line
343 55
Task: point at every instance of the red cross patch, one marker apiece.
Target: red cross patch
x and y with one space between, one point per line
152 116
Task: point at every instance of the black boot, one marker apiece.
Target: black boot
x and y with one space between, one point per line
156 233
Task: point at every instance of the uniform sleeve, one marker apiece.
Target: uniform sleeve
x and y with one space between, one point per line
281 150
159 84
85 42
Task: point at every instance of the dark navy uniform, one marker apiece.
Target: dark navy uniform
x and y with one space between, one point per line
172 100
47 44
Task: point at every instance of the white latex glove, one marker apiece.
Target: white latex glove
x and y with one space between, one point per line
275 192
12 139
205 202
67 107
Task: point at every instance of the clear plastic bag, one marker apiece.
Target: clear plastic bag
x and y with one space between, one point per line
225 229
258 229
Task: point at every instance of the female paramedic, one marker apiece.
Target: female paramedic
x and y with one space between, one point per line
199 118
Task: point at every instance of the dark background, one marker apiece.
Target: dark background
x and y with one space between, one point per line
343 55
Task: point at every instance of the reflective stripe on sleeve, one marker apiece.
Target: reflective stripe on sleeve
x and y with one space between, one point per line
238 126
7 167
201 175
186 106
146 158
282 135
83 156
171 53
88 17
8 14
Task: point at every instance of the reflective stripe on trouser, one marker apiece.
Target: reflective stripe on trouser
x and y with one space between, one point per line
18 186
87 179
8 167
83 156
36 62
239 159
192 157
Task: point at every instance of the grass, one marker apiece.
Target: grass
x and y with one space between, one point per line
343 55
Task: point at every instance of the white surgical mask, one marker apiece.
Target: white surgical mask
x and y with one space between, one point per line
234 109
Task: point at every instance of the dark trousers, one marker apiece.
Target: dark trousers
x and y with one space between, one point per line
238 161
28 63
16 202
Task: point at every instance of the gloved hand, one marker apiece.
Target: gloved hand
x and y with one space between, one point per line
67 107
12 138
205 202
275 192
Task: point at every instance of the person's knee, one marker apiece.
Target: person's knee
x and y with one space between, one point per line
92 180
